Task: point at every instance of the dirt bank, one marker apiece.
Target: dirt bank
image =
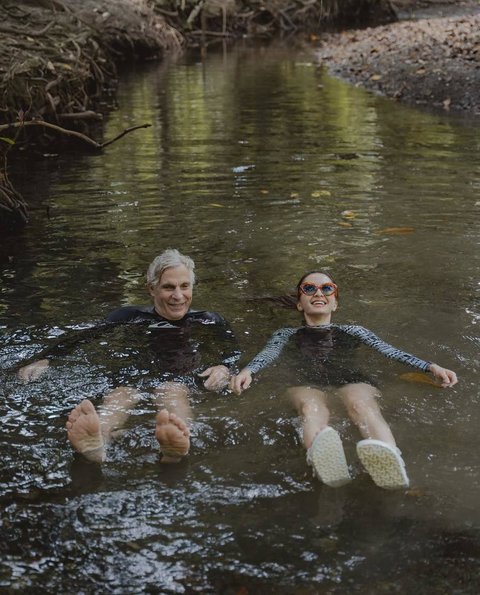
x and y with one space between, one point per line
432 59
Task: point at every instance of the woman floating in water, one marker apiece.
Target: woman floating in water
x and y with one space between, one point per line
325 344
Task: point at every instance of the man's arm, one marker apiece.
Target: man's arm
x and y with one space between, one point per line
35 367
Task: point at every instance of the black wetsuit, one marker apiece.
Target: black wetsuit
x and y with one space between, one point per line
159 349
177 345
324 353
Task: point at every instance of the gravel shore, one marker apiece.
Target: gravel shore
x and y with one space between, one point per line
431 59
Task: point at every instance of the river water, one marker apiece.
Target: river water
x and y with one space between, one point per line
260 166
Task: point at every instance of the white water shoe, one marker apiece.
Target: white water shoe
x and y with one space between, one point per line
383 463
327 458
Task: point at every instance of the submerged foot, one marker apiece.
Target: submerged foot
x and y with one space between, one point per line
84 432
173 435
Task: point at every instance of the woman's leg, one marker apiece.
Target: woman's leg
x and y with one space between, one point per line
89 431
311 405
360 400
378 451
324 446
172 420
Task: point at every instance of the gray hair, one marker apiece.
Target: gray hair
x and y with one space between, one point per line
166 260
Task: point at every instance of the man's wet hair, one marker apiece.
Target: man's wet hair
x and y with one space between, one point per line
168 259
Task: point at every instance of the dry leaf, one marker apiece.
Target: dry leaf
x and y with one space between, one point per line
349 214
344 224
375 77
397 230
319 193
263 191
419 377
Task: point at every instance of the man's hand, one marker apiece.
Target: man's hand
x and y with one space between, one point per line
444 376
217 377
33 371
241 381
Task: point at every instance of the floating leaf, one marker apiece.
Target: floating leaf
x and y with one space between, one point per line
7 140
397 230
264 191
215 204
294 195
419 377
349 214
344 224
415 493
320 193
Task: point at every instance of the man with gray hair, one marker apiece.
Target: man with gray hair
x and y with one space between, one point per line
170 326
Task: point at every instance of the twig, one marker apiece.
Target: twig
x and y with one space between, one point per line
74 133
126 131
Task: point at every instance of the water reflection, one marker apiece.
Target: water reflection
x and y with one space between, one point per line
252 160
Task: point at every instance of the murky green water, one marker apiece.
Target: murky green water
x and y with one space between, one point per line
253 158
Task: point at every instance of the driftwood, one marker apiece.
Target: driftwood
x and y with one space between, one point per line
199 20
73 133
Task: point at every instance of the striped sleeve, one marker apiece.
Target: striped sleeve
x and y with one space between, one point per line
272 349
376 343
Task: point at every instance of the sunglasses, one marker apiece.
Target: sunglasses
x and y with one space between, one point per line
327 289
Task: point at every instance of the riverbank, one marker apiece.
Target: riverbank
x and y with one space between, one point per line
432 59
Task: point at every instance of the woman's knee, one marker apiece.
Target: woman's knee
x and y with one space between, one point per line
360 399
307 400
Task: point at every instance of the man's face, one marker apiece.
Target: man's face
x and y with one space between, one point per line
172 295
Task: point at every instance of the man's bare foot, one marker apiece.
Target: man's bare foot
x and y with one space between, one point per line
173 435
84 432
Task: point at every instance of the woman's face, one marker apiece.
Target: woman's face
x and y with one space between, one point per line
317 307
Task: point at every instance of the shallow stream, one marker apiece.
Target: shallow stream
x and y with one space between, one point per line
260 166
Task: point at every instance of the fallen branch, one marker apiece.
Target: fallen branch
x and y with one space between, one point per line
73 133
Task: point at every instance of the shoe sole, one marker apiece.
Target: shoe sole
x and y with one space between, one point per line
383 464
327 457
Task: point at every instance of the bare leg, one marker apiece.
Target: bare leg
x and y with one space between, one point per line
171 429
311 404
324 445
377 451
89 431
362 408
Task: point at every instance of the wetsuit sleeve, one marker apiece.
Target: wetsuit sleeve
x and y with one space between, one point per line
387 350
272 350
66 343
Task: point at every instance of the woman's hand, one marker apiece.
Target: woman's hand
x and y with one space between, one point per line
241 381
33 371
217 377
444 376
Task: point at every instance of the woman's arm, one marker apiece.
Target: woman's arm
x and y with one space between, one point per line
446 377
264 358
